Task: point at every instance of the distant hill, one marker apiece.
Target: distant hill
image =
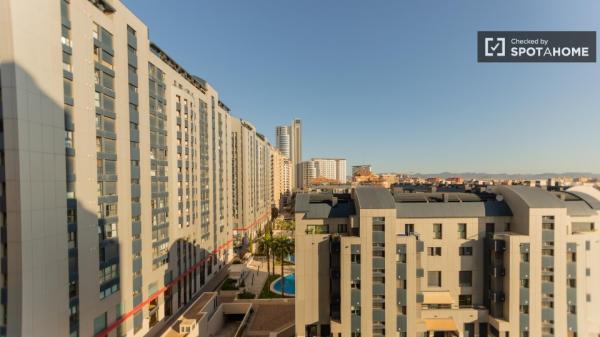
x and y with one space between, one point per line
527 176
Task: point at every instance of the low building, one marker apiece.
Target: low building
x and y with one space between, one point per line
511 261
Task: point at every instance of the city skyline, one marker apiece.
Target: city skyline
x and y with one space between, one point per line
419 110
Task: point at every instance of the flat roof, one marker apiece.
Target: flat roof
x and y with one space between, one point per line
324 205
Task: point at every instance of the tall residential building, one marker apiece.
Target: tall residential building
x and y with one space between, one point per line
289 142
282 136
513 261
280 187
306 173
296 141
125 178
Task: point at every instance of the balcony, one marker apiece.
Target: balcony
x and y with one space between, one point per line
547 261
547 235
378 263
499 246
355 296
401 296
378 236
572 269
547 288
498 271
378 288
497 296
401 270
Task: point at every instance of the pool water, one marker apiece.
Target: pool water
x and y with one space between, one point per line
289 285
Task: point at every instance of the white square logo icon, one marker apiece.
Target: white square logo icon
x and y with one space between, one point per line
495 46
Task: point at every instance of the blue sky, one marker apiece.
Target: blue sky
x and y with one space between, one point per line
394 83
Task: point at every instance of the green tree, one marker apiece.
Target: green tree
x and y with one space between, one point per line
283 246
266 245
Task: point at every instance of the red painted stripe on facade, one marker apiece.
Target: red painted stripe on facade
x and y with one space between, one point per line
256 222
140 306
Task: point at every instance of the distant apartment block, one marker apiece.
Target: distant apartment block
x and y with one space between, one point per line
126 181
513 261
322 170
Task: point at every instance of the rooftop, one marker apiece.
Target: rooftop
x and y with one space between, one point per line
371 197
324 205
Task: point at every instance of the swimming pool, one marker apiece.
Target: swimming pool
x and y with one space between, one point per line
289 285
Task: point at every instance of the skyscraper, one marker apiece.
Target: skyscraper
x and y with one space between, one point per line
282 137
289 142
296 148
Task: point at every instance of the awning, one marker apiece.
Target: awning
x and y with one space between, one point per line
437 297
445 324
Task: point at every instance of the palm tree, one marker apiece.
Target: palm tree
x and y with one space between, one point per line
284 246
266 244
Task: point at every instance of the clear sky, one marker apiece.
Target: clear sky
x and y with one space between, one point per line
394 83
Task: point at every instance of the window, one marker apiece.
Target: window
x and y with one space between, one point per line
68 87
435 251
525 283
465 251
355 258
437 231
72 239
465 278
317 229
572 309
524 257
401 257
524 309
434 278
571 257
107 231
99 323
409 228
71 215
571 283
462 231
465 300
378 224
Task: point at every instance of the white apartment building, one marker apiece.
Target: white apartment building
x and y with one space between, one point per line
125 178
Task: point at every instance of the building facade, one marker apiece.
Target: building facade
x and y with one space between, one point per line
125 178
282 136
289 142
325 169
514 261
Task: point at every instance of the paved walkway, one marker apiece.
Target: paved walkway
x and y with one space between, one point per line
257 275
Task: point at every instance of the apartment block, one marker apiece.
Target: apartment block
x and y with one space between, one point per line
289 142
123 183
510 261
325 169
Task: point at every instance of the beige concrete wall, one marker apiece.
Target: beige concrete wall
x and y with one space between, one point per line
35 180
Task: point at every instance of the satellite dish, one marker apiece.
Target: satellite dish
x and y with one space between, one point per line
499 197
